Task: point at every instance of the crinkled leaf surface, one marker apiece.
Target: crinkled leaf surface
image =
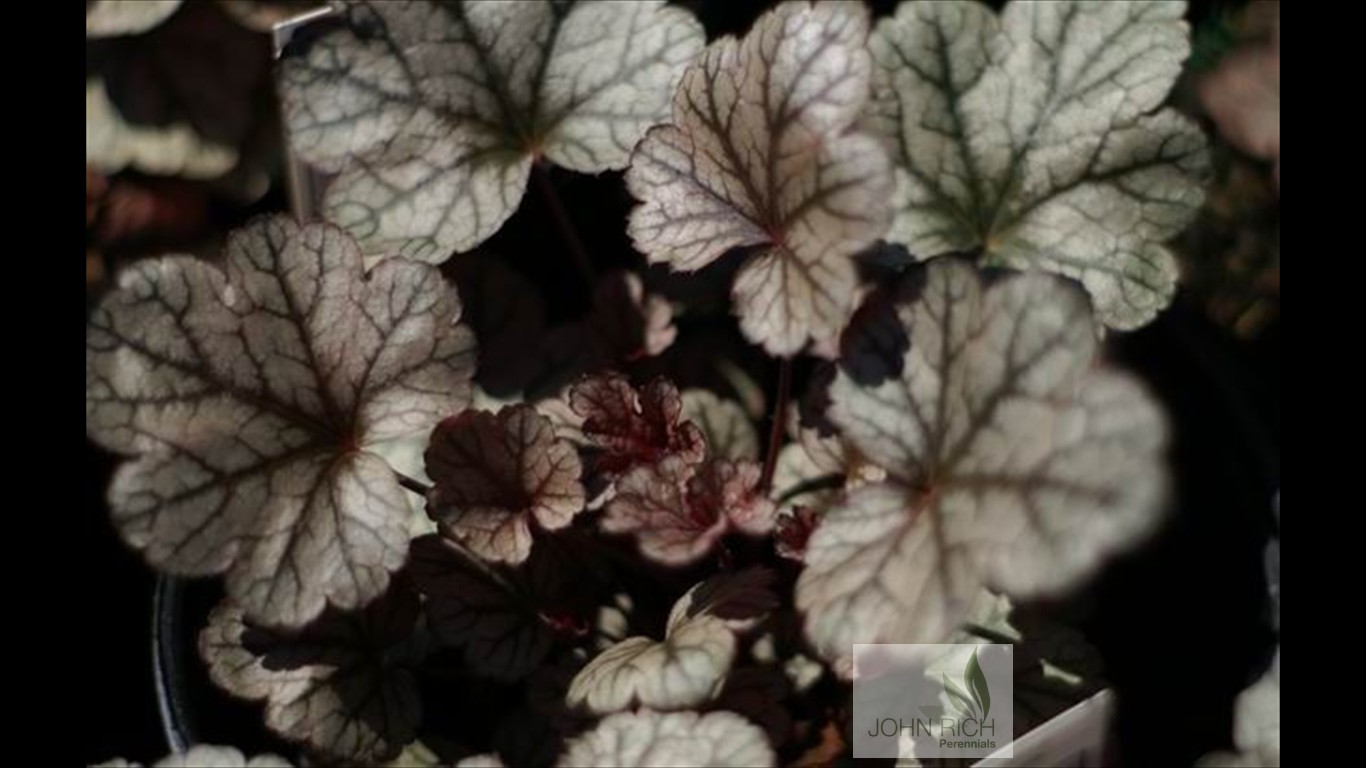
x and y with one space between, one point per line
631 426
248 397
434 112
647 738
340 686
759 153
678 510
496 473
728 431
688 667
1037 138
487 612
1012 461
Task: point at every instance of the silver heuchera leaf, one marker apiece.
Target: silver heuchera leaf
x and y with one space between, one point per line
689 666
248 397
646 738
340 686
1012 461
434 112
496 473
759 153
1037 138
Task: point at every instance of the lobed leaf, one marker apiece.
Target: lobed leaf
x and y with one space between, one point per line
249 398
1011 462
435 112
759 153
634 427
496 473
1037 138
339 686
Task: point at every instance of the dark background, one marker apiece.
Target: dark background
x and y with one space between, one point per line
1181 623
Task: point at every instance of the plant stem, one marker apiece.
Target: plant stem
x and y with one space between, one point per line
416 486
775 433
566 226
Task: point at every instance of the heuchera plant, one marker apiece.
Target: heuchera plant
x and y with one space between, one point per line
606 568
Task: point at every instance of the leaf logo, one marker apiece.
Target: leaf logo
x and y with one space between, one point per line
977 704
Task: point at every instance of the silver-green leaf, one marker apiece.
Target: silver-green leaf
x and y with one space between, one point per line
1012 460
250 400
760 152
434 112
1038 138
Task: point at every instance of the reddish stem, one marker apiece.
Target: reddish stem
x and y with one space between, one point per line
416 486
775 434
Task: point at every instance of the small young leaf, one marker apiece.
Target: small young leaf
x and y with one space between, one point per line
1011 461
1037 138
338 686
647 738
494 474
250 397
759 153
634 427
435 112
679 510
